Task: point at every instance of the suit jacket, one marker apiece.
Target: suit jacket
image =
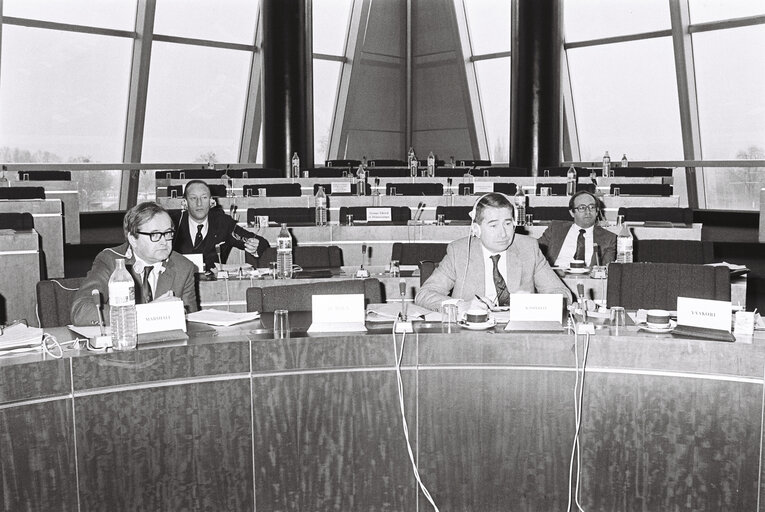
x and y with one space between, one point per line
463 276
178 277
552 240
221 228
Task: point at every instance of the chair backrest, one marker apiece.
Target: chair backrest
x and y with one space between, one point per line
549 212
328 172
674 251
473 163
353 192
658 285
559 189
426 268
290 215
255 172
414 253
274 190
642 189
18 221
558 172
22 193
452 172
415 189
297 297
458 213
633 172
502 171
386 162
54 301
45 175
398 214
509 189
342 163
679 215
308 256
388 172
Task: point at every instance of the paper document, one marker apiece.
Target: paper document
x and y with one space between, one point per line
221 318
389 311
20 335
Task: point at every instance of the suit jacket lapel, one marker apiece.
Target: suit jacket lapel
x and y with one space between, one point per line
165 280
513 266
476 268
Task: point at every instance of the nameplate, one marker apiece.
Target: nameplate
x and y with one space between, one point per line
483 187
378 215
709 314
197 259
163 315
340 187
536 307
338 313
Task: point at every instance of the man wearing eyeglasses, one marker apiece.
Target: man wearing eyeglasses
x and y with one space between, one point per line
565 241
158 272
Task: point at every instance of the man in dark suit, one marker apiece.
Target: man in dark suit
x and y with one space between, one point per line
564 241
158 272
201 227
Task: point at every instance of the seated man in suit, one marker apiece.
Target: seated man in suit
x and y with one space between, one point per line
498 263
159 273
201 228
564 241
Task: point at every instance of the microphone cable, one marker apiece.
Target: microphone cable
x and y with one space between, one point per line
578 398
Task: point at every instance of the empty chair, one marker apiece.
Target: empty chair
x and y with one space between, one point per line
54 301
558 172
658 285
308 257
388 172
454 213
383 162
549 212
413 253
509 189
678 215
633 172
559 189
473 163
502 171
415 189
398 214
642 189
452 172
354 189
175 190
426 268
674 251
255 172
293 216
274 190
342 163
22 193
45 176
298 297
217 190
17 221
328 172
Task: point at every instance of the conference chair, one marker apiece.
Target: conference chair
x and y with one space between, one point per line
388 172
452 172
45 176
454 213
561 172
198 174
509 189
676 215
353 192
473 163
255 172
674 251
328 172
549 212
509 172
633 172
415 189
216 190
426 268
22 193
642 189
413 253
298 297
398 214
274 190
342 163
17 221
54 301
293 216
386 162
308 257
658 285
559 189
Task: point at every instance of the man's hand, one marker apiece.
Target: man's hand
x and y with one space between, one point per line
251 245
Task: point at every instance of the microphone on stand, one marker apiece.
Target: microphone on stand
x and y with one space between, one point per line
104 340
402 292
420 209
582 301
363 254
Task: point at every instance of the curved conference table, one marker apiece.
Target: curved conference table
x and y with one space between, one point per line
234 420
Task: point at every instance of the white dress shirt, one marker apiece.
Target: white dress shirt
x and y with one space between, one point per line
488 272
138 267
568 249
193 228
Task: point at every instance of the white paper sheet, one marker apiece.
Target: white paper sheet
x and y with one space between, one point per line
221 318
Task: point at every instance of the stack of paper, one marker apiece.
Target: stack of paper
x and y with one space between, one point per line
221 318
20 335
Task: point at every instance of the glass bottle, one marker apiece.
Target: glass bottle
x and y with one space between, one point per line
284 253
321 207
571 181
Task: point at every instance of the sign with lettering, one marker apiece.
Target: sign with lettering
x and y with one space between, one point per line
378 215
162 315
340 187
483 187
709 314
536 307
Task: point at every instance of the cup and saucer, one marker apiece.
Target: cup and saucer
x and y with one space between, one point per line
477 320
577 267
658 321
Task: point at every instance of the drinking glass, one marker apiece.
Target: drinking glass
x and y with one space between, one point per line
393 191
272 267
449 317
617 191
395 269
529 219
262 192
281 323
440 219
544 191
618 320
349 219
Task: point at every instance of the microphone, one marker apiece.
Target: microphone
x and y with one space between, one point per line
104 340
420 208
596 253
402 292
363 254
581 299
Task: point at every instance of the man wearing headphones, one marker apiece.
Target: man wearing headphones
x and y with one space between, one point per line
564 241
202 226
495 265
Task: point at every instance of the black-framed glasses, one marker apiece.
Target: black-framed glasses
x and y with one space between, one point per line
586 208
154 236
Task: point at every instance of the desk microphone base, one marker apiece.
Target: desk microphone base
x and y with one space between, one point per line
402 327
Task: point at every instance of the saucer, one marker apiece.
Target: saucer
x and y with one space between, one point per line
576 270
479 326
668 328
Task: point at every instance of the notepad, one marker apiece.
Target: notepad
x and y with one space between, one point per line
338 313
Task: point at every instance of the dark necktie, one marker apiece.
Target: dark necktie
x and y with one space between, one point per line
503 296
198 239
146 286
579 254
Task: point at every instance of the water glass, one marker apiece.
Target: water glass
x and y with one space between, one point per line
173 194
618 320
617 191
529 219
349 219
619 220
249 192
262 192
440 219
546 173
272 267
394 268
393 191
449 314
281 323
544 191
245 175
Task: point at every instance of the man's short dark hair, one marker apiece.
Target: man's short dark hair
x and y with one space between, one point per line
582 193
138 215
195 182
492 200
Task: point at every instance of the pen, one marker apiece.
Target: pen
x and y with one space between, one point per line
484 301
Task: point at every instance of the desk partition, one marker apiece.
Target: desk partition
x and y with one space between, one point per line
19 274
49 224
69 195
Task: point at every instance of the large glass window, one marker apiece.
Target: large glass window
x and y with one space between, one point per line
489 25
494 84
231 21
325 78
63 96
715 10
195 104
595 19
116 14
330 25
625 98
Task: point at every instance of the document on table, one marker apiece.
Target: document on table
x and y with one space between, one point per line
221 318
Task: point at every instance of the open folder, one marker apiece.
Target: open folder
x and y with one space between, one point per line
338 313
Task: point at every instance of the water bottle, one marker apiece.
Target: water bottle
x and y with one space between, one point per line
413 163
295 165
571 181
321 207
122 317
606 165
520 206
409 156
431 165
625 163
624 245
284 253
361 181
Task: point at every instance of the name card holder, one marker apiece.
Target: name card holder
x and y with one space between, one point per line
483 187
379 215
163 320
340 187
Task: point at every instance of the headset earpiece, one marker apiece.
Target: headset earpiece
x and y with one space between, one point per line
213 202
184 204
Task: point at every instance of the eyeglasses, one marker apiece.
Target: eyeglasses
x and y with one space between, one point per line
586 208
155 236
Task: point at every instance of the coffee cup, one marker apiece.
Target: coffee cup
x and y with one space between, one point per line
577 264
657 318
476 316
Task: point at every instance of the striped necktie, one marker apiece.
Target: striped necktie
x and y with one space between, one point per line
146 294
